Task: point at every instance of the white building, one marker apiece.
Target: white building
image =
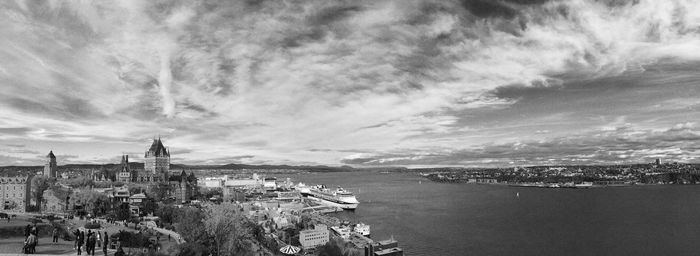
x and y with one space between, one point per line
311 238
213 182
270 184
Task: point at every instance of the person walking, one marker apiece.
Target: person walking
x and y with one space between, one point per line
99 239
91 243
94 242
34 232
54 235
27 229
105 243
76 233
80 242
30 243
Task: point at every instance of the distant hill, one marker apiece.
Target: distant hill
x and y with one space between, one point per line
112 168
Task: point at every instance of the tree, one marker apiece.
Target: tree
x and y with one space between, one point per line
167 214
39 185
190 224
123 212
81 181
92 201
149 206
160 190
207 193
227 229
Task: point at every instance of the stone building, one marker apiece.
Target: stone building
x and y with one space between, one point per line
15 193
52 203
183 186
51 167
124 174
157 161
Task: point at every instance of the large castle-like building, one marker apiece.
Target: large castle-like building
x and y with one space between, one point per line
156 166
157 160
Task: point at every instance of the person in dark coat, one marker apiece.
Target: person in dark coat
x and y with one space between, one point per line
76 233
81 241
92 240
27 229
54 235
105 241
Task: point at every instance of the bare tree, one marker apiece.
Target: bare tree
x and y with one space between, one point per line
224 224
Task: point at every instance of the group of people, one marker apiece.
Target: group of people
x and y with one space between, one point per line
31 239
90 240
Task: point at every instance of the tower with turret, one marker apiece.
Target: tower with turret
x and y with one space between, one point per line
124 174
50 167
157 160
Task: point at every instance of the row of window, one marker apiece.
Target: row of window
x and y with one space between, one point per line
15 188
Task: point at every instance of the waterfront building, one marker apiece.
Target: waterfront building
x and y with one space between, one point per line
342 232
51 167
384 248
15 193
312 238
234 189
156 162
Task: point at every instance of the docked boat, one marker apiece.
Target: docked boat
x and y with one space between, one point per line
338 198
584 185
362 229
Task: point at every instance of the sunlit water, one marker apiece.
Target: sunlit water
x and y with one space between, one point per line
429 218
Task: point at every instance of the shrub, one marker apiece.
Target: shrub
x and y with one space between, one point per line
91 225
63 231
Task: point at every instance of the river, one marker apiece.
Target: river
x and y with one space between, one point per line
429 218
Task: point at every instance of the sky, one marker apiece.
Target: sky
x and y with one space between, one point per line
360 83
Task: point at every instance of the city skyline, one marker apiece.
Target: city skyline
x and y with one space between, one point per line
362 83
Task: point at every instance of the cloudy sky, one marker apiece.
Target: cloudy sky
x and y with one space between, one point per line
362 83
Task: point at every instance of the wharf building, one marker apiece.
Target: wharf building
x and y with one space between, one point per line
384 248
312 238
15 193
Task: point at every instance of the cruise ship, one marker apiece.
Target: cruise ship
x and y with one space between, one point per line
338 198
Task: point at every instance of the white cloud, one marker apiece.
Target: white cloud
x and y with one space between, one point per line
308 74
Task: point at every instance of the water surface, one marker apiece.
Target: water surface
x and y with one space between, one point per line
429 218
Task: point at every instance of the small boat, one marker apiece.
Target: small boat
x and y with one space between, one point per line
517 194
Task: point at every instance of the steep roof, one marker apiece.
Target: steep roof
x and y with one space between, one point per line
158 149
51 155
